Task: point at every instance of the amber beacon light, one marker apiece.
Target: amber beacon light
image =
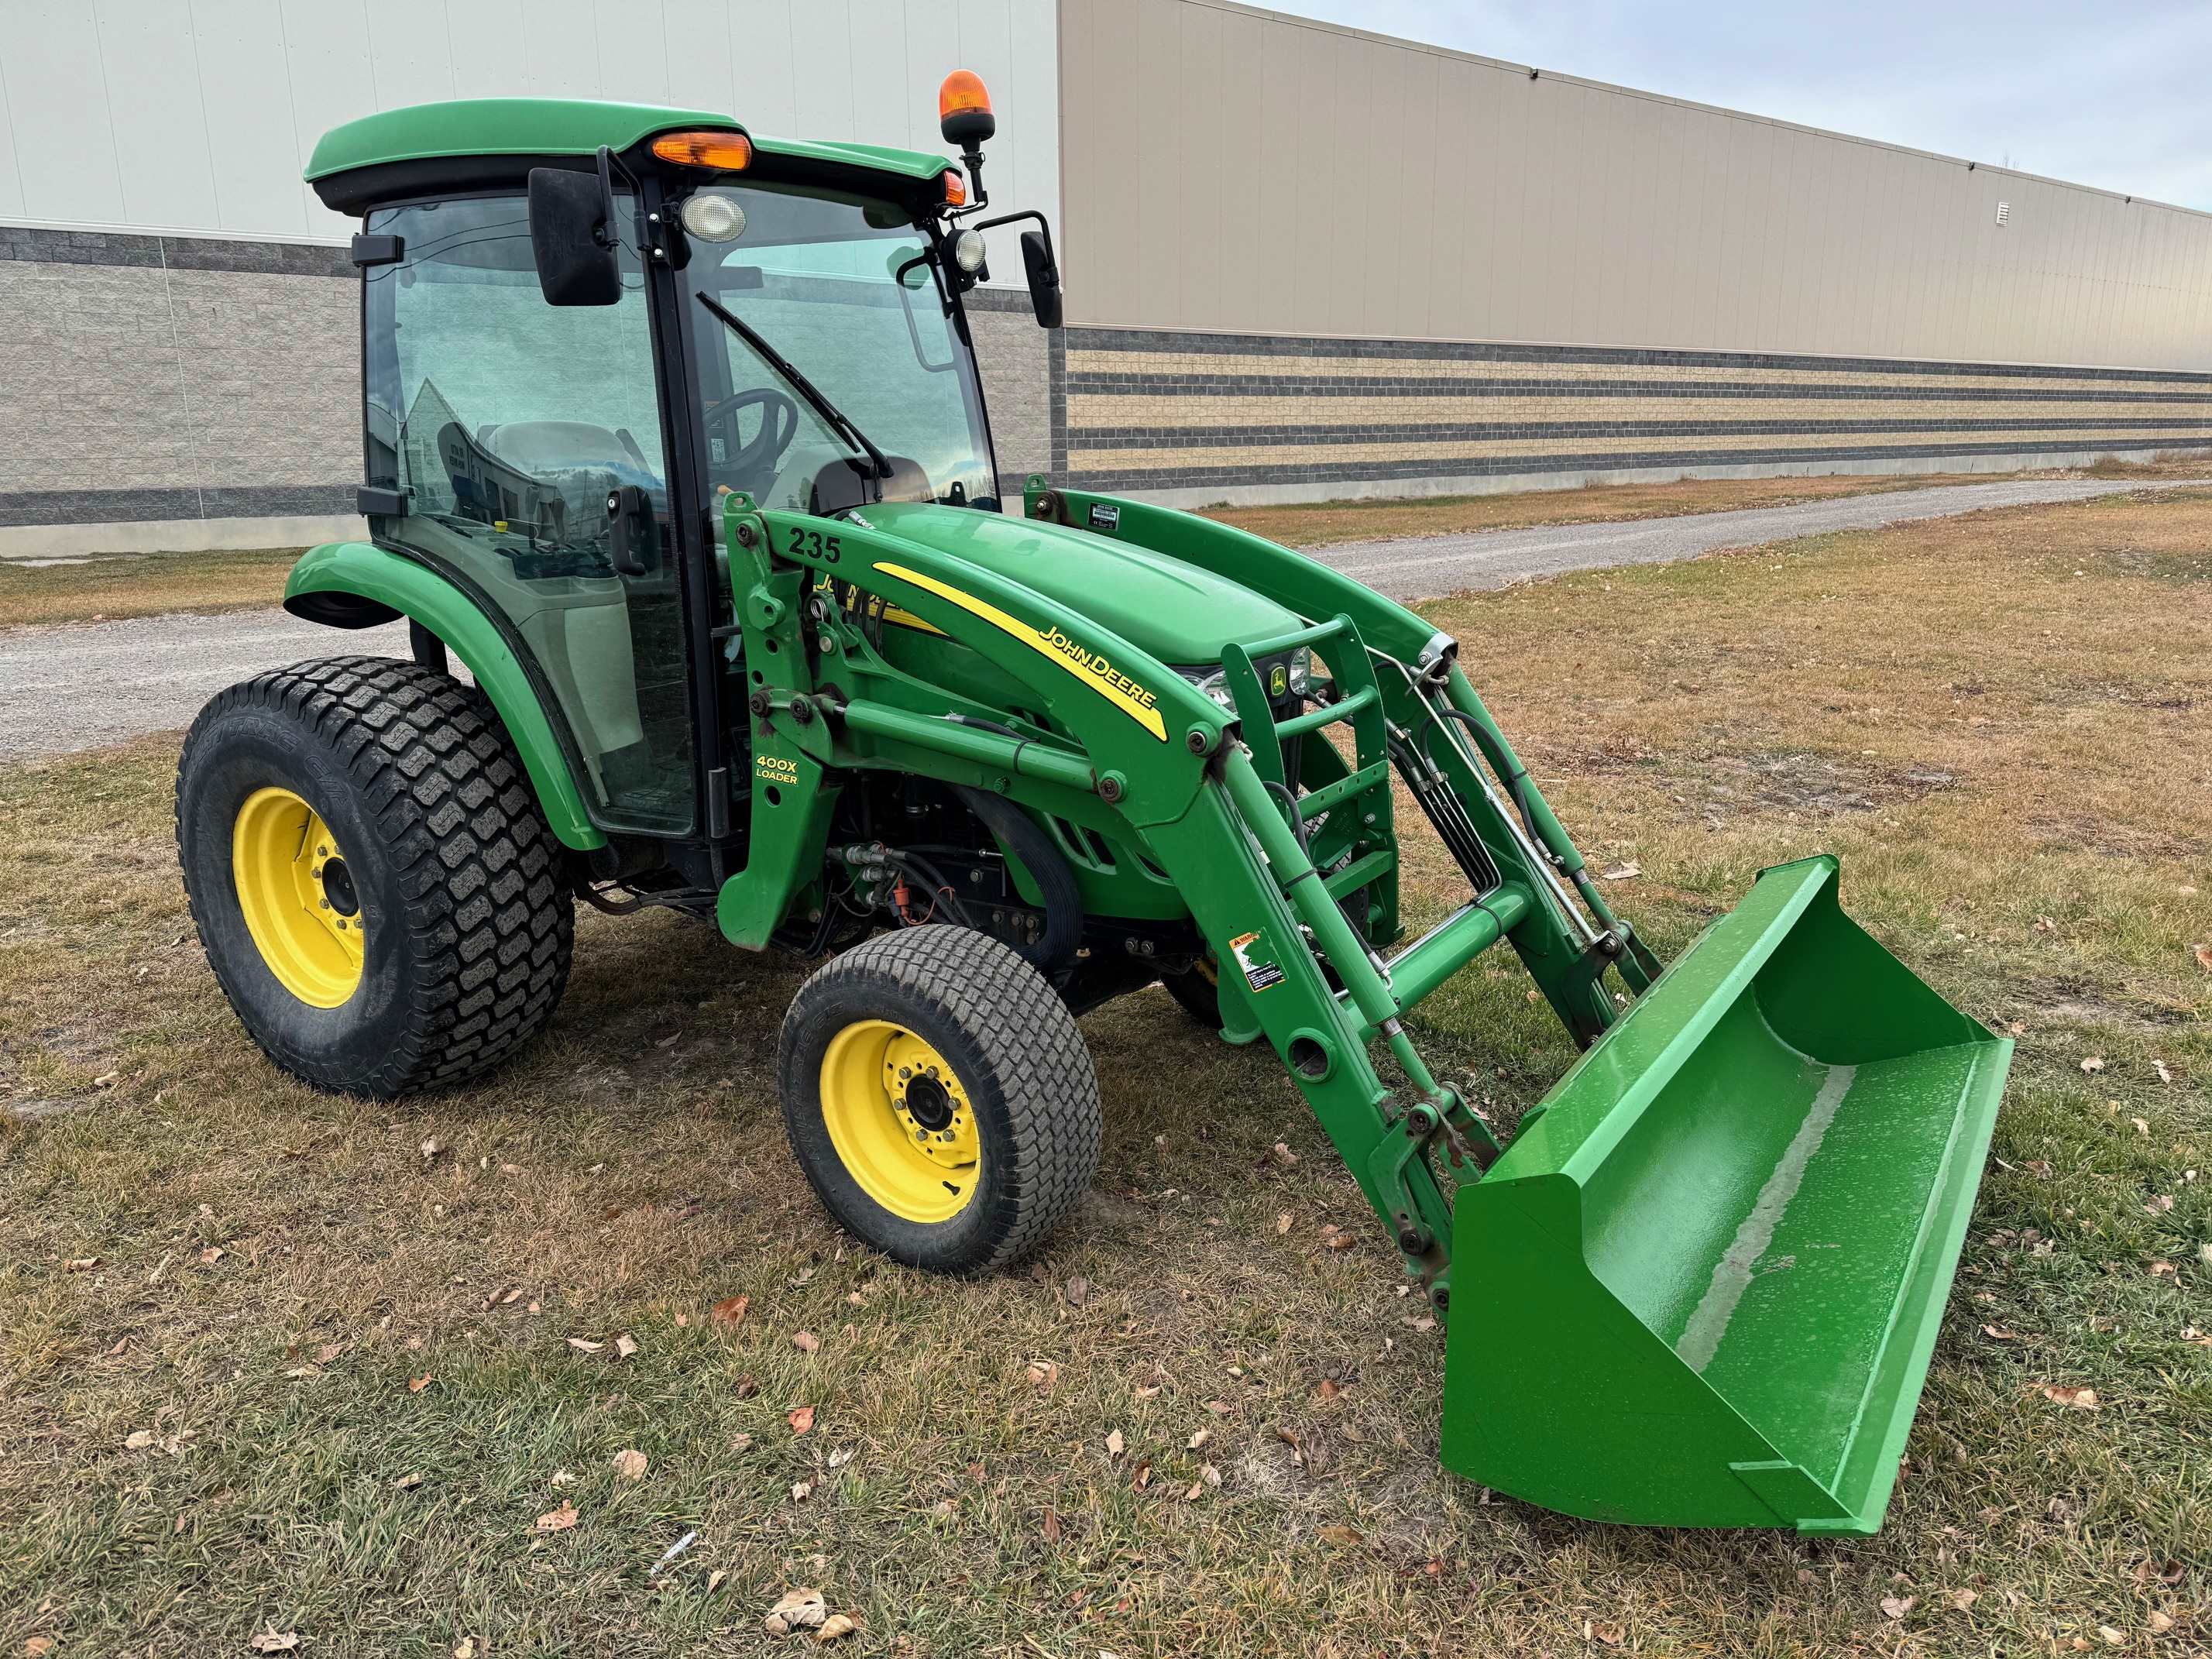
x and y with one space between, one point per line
964 110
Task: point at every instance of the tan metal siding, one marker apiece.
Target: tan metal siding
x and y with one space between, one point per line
1234 170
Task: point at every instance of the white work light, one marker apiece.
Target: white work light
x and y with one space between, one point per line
968 251
713 217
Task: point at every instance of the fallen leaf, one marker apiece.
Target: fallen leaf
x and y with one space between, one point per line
2093 1064
2113 1639
2163 1270
1330 1388
559 1520
1050 1526
416 1384
1961 1598
1283 1154
1283 1221
630 1465
35 1645
211 1256
273 1640
107 1079
431 1148
1113 1443
466 1648
1622 873
801 1491
625 1345
801 1418
83 1264
715 1579
582 1345
2158 1623
741 1443
2165 1072
2081 1400
841 1456
1611 1635
2203 955
1896 1606
1078 1291
1044 1372
805 1341
1198 1439
1337 1533
407 1483
2142 1128
1999 1333
682 1321
138 1439
1218 1407
730 1311
836 1625
798 1609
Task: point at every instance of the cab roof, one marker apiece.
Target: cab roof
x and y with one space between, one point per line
395 147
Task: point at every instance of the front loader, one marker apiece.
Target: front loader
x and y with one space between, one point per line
674 438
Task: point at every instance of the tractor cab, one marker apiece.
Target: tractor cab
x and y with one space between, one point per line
586 326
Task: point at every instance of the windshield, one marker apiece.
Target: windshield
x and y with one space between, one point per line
840 288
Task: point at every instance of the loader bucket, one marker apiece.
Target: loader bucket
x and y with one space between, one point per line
1701 1286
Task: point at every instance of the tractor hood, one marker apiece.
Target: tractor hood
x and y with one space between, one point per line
1178 613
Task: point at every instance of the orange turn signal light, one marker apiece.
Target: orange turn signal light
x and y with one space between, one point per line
721 152
963 93
955 188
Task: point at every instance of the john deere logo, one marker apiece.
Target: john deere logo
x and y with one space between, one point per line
1278 679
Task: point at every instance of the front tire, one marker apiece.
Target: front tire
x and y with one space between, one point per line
939 1098
374 886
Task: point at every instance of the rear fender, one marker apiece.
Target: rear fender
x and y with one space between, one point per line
355 585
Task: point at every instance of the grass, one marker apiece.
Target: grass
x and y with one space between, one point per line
1320 523
242 1319
111 587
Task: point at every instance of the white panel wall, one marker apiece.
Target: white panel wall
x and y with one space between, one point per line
195 117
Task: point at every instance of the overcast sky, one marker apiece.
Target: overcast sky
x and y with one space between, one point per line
2116 95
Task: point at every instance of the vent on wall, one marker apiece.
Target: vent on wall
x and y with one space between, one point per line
2004 212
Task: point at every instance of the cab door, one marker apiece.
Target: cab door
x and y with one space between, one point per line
526 441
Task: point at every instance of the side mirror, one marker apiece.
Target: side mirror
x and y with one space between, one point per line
571 239
1044 277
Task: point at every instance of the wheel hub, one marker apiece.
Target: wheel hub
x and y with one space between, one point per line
900 1118
298 898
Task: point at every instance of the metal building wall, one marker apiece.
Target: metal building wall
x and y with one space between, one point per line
178 325
1252 197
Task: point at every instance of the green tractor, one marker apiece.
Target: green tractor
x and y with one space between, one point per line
674 437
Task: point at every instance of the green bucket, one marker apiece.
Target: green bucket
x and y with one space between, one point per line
1701 1286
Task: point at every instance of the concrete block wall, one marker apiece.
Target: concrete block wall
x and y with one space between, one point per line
1189 418
176 393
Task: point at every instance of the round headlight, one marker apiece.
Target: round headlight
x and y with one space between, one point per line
713 218
1301 671
968 251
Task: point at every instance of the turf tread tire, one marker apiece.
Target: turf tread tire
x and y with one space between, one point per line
1027 1072
488 923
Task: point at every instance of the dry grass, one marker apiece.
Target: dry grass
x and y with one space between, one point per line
2012 759
110 587
1322 523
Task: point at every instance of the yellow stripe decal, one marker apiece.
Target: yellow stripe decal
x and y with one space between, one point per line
1086 664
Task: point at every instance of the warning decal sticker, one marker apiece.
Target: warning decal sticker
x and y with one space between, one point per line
1256 960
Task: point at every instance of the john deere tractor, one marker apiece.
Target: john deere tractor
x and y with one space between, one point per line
674 437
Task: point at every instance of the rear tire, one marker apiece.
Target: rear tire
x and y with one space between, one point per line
939 1098
432 939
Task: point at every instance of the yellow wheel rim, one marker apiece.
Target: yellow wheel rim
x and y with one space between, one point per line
899 1117
298 897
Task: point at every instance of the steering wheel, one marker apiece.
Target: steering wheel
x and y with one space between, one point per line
778 425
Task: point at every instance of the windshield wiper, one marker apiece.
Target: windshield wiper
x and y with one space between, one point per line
805 388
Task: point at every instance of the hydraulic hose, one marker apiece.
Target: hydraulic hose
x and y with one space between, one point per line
1063 901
